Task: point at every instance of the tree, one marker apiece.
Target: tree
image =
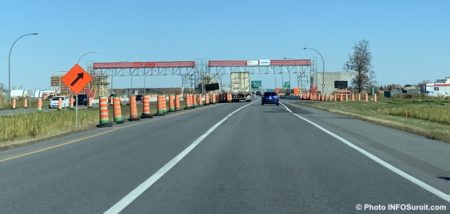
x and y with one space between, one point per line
207 79
360 62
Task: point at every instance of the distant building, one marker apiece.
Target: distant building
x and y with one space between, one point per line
19 93
440 88
333 80
393 92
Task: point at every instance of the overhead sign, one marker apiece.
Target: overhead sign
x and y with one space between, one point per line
76 79
264 62
340 84
256 84
252 62
212 86
287 85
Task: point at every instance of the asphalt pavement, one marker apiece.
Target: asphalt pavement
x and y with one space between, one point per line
226 158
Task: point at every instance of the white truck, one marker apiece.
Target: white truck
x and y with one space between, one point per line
240 86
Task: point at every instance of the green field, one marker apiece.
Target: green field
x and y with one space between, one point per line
22 128
423 115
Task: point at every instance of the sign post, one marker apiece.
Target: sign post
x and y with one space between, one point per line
76 79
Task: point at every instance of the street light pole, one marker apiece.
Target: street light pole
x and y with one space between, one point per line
9 62
323 66
76 95
87 53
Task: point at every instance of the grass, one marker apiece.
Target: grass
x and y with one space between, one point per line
429 117
21 129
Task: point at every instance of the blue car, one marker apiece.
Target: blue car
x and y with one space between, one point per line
270 98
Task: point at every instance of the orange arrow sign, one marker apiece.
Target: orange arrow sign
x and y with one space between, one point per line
76 79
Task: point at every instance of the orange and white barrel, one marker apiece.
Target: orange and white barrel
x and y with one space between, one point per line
133 109
195 101
207 99
13 103
214 98
103 112
160 106
171 103
165 104
146 107
117 110
60 103
71 102
39 105
177 102
90 101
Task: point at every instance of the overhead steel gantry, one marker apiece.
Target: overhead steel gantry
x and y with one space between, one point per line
192 72
299 67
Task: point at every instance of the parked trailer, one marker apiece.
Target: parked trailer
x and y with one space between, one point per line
240 86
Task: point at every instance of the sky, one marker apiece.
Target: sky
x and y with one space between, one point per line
409 39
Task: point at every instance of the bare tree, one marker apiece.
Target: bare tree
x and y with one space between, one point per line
360 61
2 87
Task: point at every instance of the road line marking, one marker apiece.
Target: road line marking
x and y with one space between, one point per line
135 193
387 165
95 135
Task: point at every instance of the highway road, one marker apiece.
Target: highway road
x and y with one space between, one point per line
228 158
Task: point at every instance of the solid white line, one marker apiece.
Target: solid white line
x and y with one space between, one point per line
394 169
130 197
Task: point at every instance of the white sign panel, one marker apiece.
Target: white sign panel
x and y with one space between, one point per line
252 62
264 62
